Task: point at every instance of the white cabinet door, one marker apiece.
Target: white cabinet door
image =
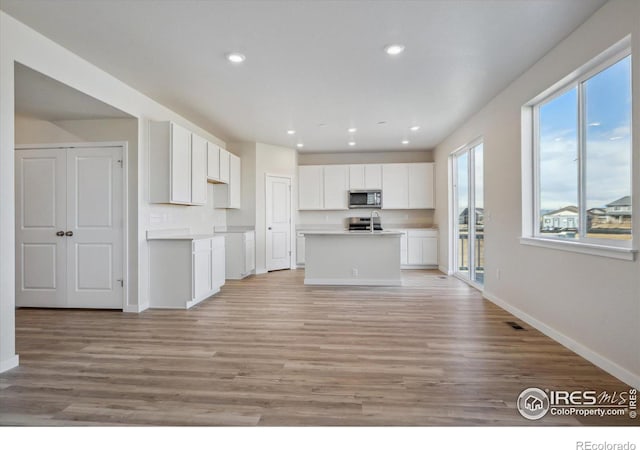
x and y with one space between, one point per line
373 176
430 251
229 195
414 250
218 262
403 248
198 170
224 165
310 190
213 162
421 186
395 186
336 187
356 176
235 182
300 249
250 252
180 189
202 270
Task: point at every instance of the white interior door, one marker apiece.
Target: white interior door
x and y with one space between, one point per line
94 228
278 222
41 218
69 227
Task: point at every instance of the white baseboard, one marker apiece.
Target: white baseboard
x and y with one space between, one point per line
134 308
10 363
261 271
444 270
351 282
605 364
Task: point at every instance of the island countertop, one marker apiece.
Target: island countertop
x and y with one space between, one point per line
350 233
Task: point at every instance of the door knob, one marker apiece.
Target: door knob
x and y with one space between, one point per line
69 233
60 233
269 228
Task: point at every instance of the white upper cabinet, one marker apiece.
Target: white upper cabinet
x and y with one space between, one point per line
408 186
229 195
336 187
365 176
421 186
198 170
310 187
170 163
213 162
225 157
395 186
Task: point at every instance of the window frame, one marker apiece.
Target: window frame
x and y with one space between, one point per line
531 235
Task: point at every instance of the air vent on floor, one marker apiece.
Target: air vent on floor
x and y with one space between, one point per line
515 325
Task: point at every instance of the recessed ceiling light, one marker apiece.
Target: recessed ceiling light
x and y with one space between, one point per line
300 145
351 143
394 49
352 130
405 142
415 128
236 58
291 131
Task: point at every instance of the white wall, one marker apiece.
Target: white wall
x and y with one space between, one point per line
589 303
19 43
246 215
29 130
307 158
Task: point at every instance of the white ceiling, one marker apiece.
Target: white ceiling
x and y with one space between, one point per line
41 97
312 62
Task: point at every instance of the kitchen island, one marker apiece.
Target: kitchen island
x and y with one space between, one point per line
352 258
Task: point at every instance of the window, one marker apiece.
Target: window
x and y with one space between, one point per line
581 156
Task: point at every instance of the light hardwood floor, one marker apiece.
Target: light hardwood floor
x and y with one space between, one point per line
269 351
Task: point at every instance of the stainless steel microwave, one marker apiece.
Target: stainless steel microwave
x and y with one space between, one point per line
365 199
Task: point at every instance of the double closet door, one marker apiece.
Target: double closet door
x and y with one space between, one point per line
69 227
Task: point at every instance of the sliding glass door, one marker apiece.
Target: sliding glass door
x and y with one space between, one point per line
468 212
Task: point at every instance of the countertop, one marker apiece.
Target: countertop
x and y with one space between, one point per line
178 234
350 233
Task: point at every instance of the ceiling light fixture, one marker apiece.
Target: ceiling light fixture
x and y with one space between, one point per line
300 145
394 49
351 143
236 58
352 130
291 131
405 142
415 128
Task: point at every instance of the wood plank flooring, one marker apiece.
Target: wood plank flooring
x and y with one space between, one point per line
270 351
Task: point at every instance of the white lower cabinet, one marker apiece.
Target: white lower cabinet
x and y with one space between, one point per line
240 254
300 249
418 248
185 270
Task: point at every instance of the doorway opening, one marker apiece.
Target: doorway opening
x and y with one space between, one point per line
467 221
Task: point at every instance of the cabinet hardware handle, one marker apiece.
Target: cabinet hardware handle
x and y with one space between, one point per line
69 233
60 233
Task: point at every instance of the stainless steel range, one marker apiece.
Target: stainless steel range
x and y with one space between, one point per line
364 224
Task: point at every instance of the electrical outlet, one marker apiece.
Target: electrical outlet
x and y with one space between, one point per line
354 272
